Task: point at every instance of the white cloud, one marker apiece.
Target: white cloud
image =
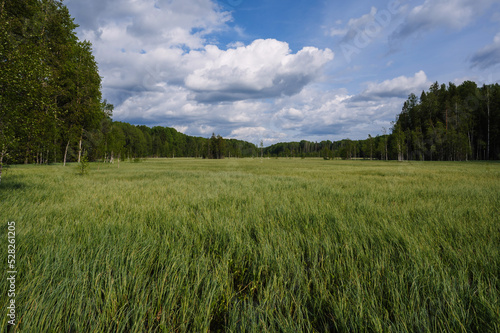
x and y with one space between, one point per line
337 32
399 87
315 114
357 24
432 14
360 32
234 45
312 114
370 24
172 105
148 20
488 56
353 27
149 44
141 44
265 68
181 129
158 69
255 134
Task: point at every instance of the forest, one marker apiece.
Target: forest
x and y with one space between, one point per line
113 139
449 123
52 109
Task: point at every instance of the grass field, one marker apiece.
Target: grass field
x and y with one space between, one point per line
184 245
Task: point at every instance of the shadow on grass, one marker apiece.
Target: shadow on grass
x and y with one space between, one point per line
13 182
12 185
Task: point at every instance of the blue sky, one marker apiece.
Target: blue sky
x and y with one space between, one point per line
283 70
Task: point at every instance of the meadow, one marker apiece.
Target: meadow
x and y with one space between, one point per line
246 245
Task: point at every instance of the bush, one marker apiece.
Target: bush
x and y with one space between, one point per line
83 166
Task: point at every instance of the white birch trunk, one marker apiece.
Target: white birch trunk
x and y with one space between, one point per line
66 153
80 149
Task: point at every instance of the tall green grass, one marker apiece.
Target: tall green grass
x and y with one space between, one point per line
240 245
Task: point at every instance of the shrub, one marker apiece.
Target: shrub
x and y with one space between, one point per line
83 166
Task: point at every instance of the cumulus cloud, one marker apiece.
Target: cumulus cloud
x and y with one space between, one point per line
433 14
172 106
399 87
140 45
143 45
316 113
151 19
263 69
488 56
311 114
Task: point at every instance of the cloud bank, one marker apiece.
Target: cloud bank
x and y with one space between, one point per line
163 63
161 66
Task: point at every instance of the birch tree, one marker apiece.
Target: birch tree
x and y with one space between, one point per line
23 81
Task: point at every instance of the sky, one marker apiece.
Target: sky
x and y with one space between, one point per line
281 71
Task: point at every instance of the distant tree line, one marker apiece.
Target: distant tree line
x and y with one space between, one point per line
447 123
113 140
371 148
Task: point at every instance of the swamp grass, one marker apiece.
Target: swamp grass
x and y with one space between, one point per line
245 245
